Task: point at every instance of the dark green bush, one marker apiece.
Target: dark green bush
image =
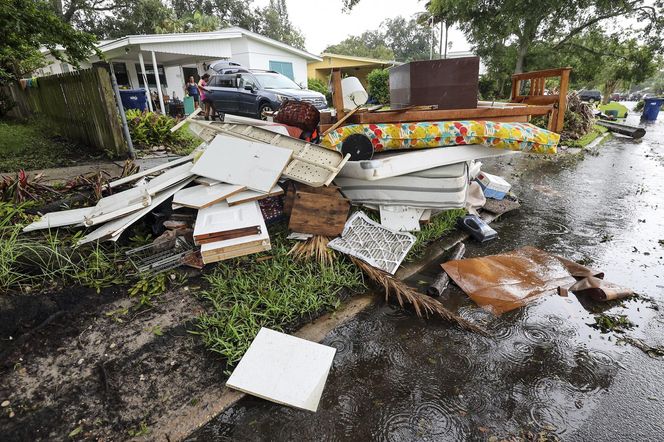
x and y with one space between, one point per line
379 85
317 85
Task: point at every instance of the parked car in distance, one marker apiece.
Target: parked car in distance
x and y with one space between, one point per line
237 90
591 96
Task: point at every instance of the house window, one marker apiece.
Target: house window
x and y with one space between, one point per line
283 67
149 72
121 76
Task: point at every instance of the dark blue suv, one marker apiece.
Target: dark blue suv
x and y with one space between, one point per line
247 92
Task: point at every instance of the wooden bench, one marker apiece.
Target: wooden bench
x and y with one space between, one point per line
536 93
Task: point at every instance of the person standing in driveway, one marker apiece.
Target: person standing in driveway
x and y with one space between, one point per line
192 90
206 100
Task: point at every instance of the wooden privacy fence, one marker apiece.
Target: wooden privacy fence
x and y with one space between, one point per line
80 105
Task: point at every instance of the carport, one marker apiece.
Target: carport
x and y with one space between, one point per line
168 50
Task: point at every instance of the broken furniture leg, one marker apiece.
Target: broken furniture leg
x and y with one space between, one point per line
441 282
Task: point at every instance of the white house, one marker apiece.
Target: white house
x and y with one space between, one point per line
175 57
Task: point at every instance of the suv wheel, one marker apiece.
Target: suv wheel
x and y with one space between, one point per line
262 109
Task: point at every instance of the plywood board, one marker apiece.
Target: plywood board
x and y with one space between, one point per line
222 218
284 369
252 195
235 252
319 214
232 160
201 196
73 217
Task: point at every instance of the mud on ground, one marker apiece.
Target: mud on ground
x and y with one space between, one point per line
89 374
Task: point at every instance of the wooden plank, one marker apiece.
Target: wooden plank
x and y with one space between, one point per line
341 121
539 100
295 187
251 195
207 238
562 103
337 94
480 113
540 74
318 214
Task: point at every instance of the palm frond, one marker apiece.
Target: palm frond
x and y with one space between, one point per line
423 305
313 248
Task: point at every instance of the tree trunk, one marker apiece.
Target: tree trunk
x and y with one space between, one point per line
521 53
609 89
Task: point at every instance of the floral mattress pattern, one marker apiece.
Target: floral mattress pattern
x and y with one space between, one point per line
512 136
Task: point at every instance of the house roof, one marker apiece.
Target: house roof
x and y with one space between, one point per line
190 37
362 59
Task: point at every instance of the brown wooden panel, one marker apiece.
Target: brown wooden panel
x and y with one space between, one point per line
319 214
480 113
294 187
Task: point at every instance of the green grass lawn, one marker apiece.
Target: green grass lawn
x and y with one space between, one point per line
30 146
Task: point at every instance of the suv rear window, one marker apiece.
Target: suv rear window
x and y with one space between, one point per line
223 81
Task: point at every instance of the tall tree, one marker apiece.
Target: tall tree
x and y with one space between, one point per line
276 24
525 23
397 38
369 44
141 17
28 25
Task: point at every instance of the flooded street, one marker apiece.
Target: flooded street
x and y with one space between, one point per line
545 370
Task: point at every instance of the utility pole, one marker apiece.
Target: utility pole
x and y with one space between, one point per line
440 43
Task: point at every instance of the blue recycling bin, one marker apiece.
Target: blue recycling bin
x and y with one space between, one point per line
134 99
651 108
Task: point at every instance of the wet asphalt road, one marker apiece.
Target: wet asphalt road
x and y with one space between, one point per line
544 370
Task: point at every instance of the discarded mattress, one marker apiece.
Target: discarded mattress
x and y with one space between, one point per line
438 188
400 163
500 283
523 137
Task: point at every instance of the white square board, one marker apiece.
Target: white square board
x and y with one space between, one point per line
232 160
284 369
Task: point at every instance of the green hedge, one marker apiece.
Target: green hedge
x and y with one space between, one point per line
379 85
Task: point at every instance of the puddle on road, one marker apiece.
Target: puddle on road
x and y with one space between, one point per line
399 378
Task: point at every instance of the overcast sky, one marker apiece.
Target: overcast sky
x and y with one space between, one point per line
324 23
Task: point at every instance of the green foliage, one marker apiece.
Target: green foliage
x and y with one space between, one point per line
148 287
196 22
246 294
379 85
50 259
317 85
133 18
439 225
28 25
613 323
397 38
369 44
150 129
